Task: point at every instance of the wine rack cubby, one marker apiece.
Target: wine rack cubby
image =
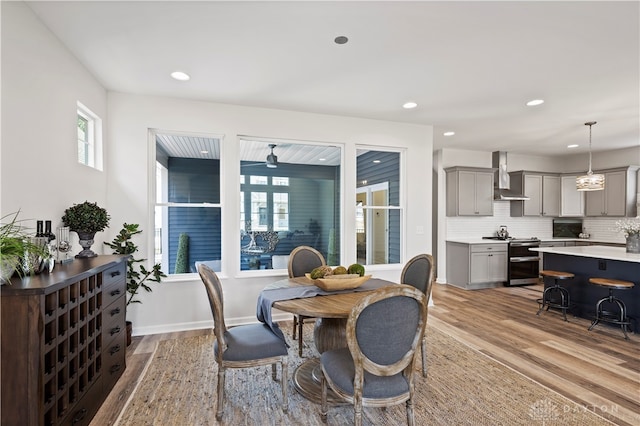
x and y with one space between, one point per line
63 342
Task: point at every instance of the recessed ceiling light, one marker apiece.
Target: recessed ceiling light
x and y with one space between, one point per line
341 40
376 161
575 145
535 102
449 133
409 105
179 75
322 159
204 151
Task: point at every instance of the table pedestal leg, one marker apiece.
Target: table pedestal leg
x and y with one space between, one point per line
328 333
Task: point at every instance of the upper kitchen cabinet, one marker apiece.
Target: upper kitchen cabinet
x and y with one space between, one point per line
619 195
469 191
543 190
571 200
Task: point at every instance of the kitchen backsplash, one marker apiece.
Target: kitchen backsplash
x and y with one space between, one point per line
602 229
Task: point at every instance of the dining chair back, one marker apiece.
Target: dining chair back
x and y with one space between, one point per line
418 272
376 370
250 345
302 260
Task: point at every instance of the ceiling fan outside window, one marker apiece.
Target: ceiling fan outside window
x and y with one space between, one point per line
272 159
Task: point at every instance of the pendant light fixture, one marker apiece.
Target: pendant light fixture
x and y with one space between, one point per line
590 181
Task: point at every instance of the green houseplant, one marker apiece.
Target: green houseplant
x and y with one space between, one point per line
86 219
138 277
15 241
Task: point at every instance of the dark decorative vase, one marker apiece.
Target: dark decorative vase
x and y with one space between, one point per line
86 239
633 243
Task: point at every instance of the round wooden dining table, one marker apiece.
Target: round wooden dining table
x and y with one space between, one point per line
329 332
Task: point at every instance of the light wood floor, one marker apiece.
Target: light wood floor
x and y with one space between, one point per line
597 369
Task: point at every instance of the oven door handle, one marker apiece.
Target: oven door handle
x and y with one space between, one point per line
531 244
524 259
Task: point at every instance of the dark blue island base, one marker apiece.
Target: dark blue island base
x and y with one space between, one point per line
585 296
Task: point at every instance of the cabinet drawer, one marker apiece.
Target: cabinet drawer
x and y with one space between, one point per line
113 356
488 248
82 413
114 275
113 318
112 294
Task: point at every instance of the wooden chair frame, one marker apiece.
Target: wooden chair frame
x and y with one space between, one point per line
427 291
405 365
298 320
216 301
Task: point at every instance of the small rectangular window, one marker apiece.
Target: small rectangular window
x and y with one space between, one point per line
89 127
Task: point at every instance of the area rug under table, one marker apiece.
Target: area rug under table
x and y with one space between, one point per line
463 387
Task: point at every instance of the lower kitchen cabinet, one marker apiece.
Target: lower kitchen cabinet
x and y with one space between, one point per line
476 266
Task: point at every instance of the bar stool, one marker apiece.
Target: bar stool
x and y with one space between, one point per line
547 299
601 315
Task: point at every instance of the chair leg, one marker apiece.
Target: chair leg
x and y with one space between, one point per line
285 383
220 408
273 371
295 326
323 398
410 418
300 324
424 357
357 410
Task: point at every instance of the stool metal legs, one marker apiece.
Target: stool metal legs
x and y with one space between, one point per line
549 302
602 315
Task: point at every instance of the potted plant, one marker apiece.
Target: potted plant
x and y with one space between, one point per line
15 242
86 219
137 275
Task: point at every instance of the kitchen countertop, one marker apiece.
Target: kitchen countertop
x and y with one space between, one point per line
479 240
476 240
600 252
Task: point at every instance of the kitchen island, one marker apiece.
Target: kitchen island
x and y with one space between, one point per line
596 261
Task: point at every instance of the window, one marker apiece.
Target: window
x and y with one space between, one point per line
187 208
89 127
289 197
379 208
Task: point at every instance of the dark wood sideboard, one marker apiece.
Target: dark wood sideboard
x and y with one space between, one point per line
63 342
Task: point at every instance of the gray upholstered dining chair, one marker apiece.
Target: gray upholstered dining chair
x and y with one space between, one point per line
418 272
242 346
384 330
302 260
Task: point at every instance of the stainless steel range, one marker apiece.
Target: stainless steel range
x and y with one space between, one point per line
523 265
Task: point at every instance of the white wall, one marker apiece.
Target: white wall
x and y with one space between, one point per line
178 305
41 84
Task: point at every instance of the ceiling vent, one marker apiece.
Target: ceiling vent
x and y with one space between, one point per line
502 190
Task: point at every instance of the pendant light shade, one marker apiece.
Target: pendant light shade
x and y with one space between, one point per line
590 181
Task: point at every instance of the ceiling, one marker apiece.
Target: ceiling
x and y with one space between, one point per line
470 66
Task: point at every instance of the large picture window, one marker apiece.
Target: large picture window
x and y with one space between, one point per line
187 207
379 207
289 197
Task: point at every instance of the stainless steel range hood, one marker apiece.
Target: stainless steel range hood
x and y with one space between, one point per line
502 190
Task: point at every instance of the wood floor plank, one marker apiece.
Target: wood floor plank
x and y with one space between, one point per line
597 369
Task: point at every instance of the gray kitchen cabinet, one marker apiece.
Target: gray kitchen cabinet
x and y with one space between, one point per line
476 266
571 200
618 197
469 191
543 191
